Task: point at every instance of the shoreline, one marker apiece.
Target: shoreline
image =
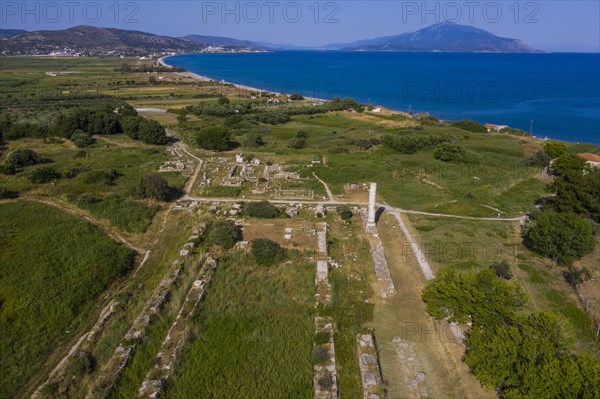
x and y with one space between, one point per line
202 78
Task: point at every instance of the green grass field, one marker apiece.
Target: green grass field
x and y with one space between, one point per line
255 334
53 269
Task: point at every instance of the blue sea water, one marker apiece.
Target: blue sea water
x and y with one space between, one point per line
554 95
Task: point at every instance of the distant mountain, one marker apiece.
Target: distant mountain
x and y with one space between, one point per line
442 37
6 33
224 42
92 40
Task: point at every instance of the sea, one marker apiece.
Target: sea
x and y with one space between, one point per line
555 95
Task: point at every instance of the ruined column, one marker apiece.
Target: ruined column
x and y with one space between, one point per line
372 207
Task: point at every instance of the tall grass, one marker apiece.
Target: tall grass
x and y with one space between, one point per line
256 332
52 269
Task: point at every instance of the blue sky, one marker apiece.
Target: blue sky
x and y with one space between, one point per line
548 25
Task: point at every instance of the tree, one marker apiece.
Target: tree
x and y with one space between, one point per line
526 358
266 252
555 149
578 193
447 152
224 233
215 138
563 236
152 132
568 164
223 100
478 297
296 97
153 186
262 210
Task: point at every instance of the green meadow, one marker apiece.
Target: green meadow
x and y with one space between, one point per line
54 268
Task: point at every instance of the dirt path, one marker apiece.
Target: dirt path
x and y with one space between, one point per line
403 317
329 193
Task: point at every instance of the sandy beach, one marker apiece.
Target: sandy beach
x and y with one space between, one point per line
202 78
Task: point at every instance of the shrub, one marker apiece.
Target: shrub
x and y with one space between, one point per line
107 177
82 139
320 355
296 143
326 382
338 150
224 233
8 169
296 97
575 276
447 152
470 126
322 338
223 100
262 210
81 363
153 186
345 212
44 174
502 269
301 134
215 138
253 140
540 159
24 157
266 252
563 236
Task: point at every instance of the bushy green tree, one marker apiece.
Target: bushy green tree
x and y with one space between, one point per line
215 138
224 233
296 97
578 193
555 149
532 358
465 297
152 132
565 236
568 164
223 100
